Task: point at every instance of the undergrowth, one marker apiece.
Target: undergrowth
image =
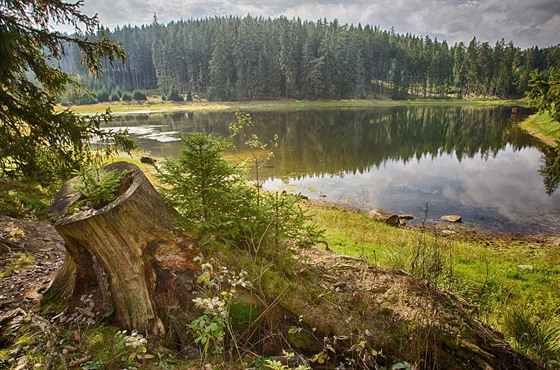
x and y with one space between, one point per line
24 201
493 274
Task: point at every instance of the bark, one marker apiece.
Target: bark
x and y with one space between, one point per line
125 254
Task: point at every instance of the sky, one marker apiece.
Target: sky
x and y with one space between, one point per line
525 22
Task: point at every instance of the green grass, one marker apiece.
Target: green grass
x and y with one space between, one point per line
154 105
16 264
21 200
543 127
484 270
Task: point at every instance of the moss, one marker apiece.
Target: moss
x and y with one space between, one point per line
387 312
29 340
4 357
20 200
96 339
244 314
301 340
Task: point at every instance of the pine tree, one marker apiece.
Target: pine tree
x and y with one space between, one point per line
37 141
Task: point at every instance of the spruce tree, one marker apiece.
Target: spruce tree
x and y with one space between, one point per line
38 141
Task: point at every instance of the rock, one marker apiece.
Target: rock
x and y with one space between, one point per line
451 218
14 352
526 267
382 215
148 160
404 218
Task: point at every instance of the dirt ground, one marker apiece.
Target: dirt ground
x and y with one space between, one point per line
31 252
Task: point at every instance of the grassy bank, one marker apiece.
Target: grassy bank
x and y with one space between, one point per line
512 282
155 105
542 126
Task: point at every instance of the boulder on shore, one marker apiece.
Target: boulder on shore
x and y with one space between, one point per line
383 215
451 218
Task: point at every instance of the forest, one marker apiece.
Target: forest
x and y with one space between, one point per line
249 58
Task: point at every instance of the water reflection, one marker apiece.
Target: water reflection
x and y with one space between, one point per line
551 168
470 161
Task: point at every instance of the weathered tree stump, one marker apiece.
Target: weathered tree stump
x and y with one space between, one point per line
125 254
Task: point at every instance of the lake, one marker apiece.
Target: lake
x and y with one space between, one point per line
471 161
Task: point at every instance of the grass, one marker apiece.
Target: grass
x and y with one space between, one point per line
16 264
153 105
484 270
542 126
21 200
476 262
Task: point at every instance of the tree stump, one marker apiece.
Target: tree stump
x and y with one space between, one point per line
125 254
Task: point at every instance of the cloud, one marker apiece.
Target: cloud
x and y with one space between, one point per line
526 23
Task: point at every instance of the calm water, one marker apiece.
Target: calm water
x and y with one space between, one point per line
474 162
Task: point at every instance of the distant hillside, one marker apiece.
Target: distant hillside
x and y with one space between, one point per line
232 58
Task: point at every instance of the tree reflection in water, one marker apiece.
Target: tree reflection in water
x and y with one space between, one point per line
551 168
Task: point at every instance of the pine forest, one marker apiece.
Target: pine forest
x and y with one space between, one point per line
249 58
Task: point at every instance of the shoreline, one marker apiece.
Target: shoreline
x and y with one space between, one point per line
541 126
156 106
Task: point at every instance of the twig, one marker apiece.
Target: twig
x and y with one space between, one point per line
7 244
80 361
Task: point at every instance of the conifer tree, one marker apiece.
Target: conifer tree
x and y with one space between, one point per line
37 141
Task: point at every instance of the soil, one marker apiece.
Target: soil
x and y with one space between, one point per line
38 243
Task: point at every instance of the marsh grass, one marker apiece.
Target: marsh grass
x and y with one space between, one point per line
539 337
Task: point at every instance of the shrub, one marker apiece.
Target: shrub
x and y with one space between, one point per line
103 96
138 95
97 186
174 95
77 95
116 95
126 97
216 200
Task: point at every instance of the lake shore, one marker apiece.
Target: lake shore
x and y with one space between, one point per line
224 116
153 105
539 125
543 127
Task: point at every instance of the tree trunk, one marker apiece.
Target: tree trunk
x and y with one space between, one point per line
125 254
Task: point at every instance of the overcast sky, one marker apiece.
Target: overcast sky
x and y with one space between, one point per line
525 22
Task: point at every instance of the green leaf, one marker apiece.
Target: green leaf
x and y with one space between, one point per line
401 365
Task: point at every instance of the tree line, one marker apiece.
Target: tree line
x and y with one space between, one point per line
237 58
